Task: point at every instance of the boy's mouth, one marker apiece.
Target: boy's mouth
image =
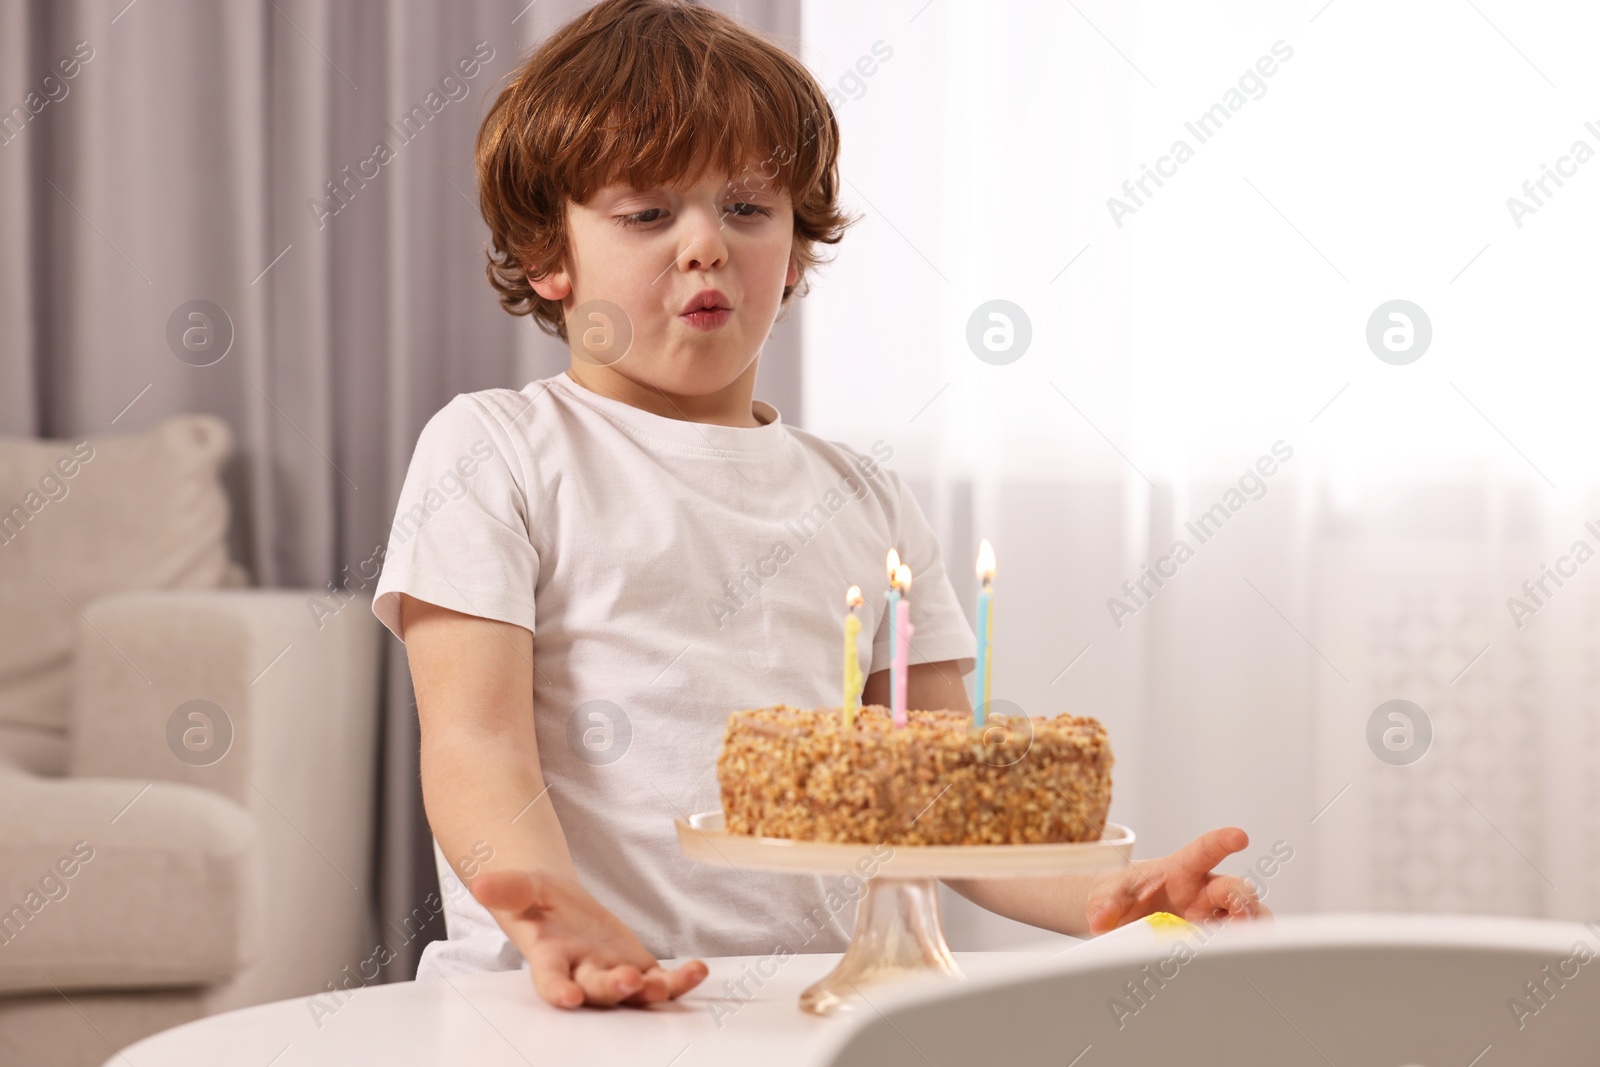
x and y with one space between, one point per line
707 310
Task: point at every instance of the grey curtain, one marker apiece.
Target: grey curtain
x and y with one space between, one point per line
170 157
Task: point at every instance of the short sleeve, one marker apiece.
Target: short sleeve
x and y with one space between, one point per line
461 531
940 630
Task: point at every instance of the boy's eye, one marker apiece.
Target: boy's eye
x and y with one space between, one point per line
638 218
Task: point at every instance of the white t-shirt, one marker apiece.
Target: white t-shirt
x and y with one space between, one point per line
671 572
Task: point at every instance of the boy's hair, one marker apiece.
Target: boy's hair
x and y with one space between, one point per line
644 91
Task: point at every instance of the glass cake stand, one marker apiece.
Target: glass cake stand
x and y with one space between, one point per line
898 932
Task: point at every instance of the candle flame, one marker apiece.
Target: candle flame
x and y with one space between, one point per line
902 578
853 597
985 561
894 564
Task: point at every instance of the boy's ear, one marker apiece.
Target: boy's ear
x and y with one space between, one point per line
794 272
553 286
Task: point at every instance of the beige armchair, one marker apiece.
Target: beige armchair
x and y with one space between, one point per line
187 766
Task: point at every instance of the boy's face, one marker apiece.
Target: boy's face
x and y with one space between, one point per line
649 252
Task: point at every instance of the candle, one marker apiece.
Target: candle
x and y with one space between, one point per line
980 682
852 660
900 665
893 611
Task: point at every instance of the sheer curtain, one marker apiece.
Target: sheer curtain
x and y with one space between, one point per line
1331 343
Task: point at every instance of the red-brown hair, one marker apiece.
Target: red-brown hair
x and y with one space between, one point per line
651 92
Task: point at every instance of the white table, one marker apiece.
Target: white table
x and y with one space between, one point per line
498 1020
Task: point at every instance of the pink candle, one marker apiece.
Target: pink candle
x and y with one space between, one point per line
901 654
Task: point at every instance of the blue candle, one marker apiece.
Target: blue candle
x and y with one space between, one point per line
980 681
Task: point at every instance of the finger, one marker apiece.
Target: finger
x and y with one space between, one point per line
1243 901
659 984
1211 848
655 987
685 977
552 978
1115 896
1232 896
607 983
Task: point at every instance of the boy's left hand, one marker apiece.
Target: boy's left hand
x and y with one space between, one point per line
1181 883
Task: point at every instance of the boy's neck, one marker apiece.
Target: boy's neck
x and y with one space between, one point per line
729 406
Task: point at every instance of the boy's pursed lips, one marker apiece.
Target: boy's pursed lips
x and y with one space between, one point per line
707 299
707 311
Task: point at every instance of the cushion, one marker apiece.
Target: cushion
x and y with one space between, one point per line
110 883
94 515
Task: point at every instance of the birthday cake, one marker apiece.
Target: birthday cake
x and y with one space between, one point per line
802 775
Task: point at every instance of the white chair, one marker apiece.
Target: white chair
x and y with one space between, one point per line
1349 990
156 866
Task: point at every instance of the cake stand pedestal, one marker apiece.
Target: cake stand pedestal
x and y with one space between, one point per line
898 932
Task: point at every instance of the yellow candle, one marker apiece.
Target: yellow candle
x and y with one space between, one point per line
852 659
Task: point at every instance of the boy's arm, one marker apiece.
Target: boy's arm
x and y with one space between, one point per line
487 803
479 759
1092 903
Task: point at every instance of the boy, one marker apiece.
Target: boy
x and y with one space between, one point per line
591 572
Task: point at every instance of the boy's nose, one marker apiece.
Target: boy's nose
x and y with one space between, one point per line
704 248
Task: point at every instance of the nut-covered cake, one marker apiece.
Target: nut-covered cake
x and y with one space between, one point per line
802 775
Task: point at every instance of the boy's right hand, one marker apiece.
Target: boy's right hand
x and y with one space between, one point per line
578 952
